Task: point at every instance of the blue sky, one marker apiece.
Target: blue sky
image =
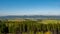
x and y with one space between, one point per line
29 7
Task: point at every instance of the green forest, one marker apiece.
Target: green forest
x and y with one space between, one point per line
30 27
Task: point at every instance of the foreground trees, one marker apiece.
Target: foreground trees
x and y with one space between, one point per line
3 27
27 26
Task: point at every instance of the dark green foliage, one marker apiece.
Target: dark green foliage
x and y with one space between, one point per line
3 27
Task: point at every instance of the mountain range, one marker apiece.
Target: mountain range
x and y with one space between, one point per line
32 16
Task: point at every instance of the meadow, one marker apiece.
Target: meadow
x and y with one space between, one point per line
28 26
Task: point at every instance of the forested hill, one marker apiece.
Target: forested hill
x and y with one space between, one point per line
32 16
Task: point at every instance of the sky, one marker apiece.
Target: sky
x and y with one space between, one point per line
29 7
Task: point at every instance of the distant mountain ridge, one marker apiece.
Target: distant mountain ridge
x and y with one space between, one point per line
32 16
